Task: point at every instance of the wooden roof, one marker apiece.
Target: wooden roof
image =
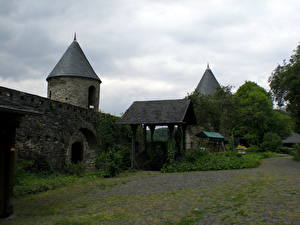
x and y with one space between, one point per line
161 112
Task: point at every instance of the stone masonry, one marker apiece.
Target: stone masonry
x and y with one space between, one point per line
48 138
73 90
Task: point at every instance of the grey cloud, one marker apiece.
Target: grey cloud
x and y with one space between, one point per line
242 40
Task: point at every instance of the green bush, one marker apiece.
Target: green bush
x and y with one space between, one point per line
109 163
286 150
74 168
297 152
253 148
271 142
203 160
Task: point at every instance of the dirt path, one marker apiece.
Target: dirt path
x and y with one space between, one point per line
269 194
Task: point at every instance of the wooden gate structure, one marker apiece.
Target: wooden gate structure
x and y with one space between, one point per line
149 114
10 117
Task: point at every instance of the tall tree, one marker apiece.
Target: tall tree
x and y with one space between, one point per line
255 115
285 85
214 112
254 111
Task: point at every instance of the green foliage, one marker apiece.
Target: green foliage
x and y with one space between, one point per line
281 123
255 116
247 114
215 112
202 160
271 142
112 162
171 150
110 133
297 152
154 157
254 111
286 150
74 168
285 83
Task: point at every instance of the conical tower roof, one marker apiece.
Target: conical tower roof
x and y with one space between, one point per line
208 83
74 63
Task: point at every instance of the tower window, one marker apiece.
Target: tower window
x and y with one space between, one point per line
92 97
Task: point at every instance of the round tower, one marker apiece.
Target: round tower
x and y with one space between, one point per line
73 80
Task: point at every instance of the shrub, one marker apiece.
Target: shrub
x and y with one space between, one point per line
271 142
203 160
286 150
109 162
74 168
297 152
253 148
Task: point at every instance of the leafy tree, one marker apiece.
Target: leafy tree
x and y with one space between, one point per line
214 112
285 85
255 115
271 142
111 135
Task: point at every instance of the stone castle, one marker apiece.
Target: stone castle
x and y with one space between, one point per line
63 128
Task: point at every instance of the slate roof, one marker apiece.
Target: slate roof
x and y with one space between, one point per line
208 83
293 139
161 112
74 63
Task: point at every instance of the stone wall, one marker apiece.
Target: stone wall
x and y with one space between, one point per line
73 90
48 137
191 140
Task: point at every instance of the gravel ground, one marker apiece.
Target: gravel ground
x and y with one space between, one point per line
269 194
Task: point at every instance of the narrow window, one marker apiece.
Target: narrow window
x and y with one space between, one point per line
92 97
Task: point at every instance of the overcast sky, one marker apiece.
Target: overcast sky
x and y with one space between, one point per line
147 49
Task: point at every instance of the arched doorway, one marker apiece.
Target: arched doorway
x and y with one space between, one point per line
77 152
92 97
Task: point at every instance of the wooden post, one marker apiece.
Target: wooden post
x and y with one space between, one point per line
145 136
152 129
133 145
7 165
171 145
183 133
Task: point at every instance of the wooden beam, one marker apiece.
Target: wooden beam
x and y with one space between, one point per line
152 129
133 146
171 143
7 166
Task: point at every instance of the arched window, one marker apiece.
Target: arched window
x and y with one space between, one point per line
92 97
76 152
